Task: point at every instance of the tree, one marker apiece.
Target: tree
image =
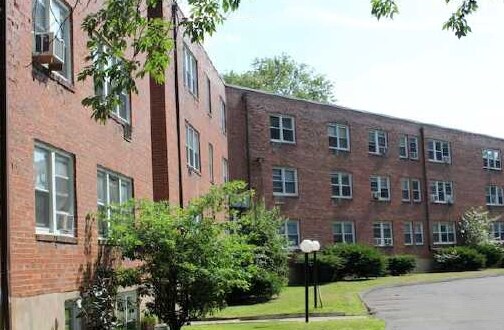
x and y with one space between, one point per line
188 263
475 226
122 33
260 229
282 75
457 22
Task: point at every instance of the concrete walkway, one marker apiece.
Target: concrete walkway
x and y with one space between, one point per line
467 304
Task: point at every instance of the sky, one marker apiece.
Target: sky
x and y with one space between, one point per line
408 68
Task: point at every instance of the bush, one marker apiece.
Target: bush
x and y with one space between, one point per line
359 261
492 252
329 268
459 258
400 265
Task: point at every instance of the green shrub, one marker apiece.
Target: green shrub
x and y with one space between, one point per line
493 253
359 261
329 267
400 265
459 258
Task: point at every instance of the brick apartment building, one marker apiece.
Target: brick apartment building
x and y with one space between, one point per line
338 175
341 175
166 142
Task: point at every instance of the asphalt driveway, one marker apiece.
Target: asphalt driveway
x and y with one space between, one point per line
470 304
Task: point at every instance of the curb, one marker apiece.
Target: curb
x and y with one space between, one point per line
271 317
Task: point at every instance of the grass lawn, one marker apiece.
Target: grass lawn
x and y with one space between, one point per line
336 297
361 324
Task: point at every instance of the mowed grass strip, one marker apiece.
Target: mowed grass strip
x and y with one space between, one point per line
368 323
340 296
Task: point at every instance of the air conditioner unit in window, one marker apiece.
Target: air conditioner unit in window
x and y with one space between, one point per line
65 224
382 150
413 155
376 195
434 198
49 49
449 199
446 159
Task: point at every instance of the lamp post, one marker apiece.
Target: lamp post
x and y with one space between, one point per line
316 248
306 247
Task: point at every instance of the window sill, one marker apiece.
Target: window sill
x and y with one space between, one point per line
40 73
491 169
56 238
285 195
377 154
280 142
192 171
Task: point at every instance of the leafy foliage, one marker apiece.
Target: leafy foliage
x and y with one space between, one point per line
475 226
259 226
459 258
282 75
457 22
121 31
493 252
359 261
187 266
97 300
400 265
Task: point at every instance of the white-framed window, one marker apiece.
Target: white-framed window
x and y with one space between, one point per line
413 233
193 148
341 185
497 230
343 232
225 170
209 95
104 88
126 310
377 142
492 159
339 137
408 147
223 116
439 151
290 228
494 195
442 192
405 190
112 188
52 29
382 233
411 190
282 129
416 190
72 319
284 181
380 188
211 162
443 232
54 191
190 72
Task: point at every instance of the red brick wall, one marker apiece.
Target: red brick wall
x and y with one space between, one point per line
313 206
42 109
193 110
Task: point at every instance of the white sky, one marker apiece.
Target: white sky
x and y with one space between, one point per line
407 67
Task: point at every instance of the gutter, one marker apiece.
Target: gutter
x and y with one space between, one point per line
177 101
4 235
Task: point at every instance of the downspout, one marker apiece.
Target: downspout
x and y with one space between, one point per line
245 106
426 190
177 101
4 235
